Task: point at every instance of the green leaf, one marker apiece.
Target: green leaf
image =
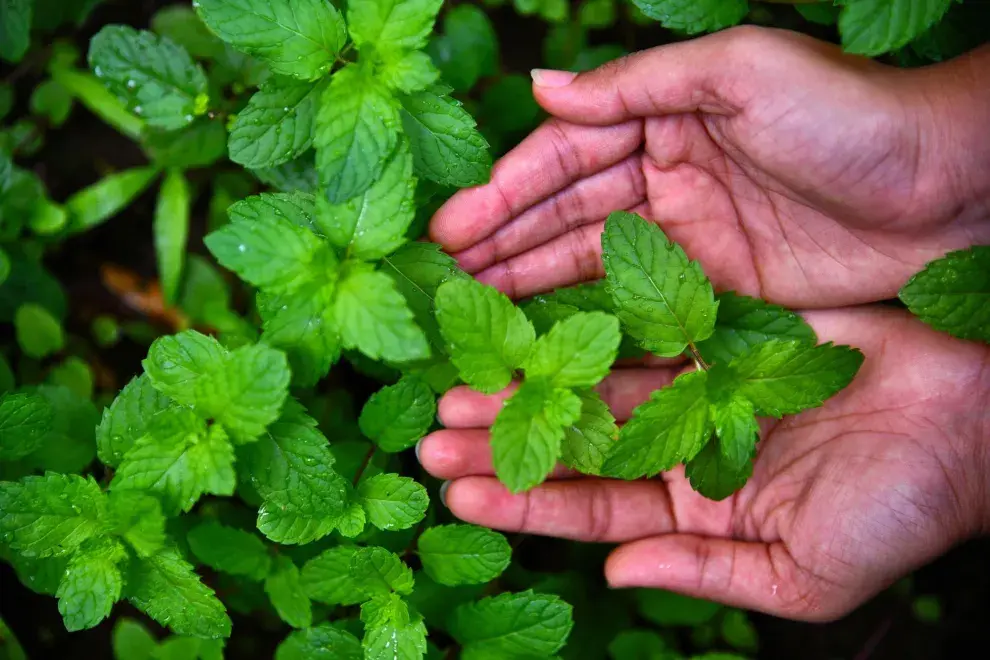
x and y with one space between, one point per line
296 207
51 515
74 374
42 576
408 71
874 27
668 429
200 144
277 124
823 13
171 229
463 554
299 38
391 24
139 520
577 352
89 91
292 469
285 590
714 476
15 29
666 608
229 550
91 585
527 433
165 588
327 578
588 441
468 49
353 520
357 130
739 631
640 645
132 641
128 418
380 572
69 446
519 625
157 79
952 294
374 223
736 428
446 146
785 377
181 24
744 322
508 106
51 101
393 502
662 299
301 323
487 336
25 420
297 175
391 630
397 416
693 17
107 197
322 642
39 334
372 317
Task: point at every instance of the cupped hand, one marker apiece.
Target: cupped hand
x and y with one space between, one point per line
843 500
791 171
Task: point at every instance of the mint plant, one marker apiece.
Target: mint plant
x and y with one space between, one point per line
951 294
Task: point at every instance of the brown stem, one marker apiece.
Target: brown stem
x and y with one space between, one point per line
364 464
696 356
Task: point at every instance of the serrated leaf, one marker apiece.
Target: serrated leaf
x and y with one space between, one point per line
373 224
42 576
132 641
300 322
519 625
391 630
952 294
229 550
379 572
284 588
15 29
107 197
589 440
200 144
668 429
297 175
392 23
156 78
171 231
372 317
327 578
297 207
408 71
51 515
181 24
128 418
463 554
277 124
165 588
527 433
743 322
393 502
577 352
353 521
322 642
25 420
696 16
486 335
446 146
299 38
69 445
874 27
92 584
711 473
357 130
139 520
397 416
662 299
736 429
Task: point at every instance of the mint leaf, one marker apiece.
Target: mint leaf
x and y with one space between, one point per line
295 207
300 322
714 476
519 625
391 23
181 24
299 38
286 593
527 433
68 446
874 27
662 299
668 429
397 416
171 231
589 440
446 146
952 294
15 29
737 430
327 578
157 79
107 197
39 334
229 550
139 520
391 630
322 642
353 521
128 418
292 469
297 175
178 365
694 17
380 572
744 322
277 124
25 420
165 588
51 515
357 130
785 377
487 336
374 223
92 584
468 48
463 554
393 502
372 317
577 352
410 71
132 641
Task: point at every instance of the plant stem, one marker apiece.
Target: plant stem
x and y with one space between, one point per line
696 356
364 464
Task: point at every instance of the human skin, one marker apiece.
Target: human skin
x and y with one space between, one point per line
806 177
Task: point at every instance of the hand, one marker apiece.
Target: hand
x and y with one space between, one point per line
843 500
791 171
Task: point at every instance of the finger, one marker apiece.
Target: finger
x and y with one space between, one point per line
454 454
463 408
553 157
580 509
755 576
589 200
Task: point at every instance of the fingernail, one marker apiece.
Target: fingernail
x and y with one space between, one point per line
443 493
418 445
552 77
